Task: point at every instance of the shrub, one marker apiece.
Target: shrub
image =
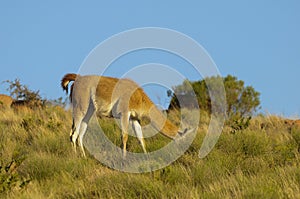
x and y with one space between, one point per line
9 177
239 124
241 100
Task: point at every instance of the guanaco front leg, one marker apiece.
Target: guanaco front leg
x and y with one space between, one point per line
124 125
139 134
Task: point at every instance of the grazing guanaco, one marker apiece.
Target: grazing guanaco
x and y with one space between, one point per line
113 97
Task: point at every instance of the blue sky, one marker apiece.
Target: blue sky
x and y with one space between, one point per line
257 41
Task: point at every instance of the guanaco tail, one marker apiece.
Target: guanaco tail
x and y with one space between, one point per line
113 97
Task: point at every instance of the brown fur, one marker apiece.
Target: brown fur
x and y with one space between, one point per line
113 97
139 102
134 100
5 100
292 122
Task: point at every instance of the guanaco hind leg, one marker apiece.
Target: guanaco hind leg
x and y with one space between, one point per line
75 130
84 125
79 126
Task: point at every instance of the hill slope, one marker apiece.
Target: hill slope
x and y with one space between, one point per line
37 161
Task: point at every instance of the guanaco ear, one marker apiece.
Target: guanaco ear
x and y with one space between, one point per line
185 131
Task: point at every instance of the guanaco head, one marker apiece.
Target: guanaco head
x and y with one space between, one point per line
184 132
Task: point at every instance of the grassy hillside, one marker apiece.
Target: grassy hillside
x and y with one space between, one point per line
37 161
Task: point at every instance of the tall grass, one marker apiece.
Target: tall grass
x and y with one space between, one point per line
37 161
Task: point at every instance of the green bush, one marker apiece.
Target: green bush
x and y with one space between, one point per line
9 177
285 153
240 99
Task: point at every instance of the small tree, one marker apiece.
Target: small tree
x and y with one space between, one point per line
242 101
22 93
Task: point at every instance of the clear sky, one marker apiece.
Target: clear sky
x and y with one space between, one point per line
257 41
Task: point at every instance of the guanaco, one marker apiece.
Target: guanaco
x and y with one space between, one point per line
113 97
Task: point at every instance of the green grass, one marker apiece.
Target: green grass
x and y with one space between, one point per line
37 161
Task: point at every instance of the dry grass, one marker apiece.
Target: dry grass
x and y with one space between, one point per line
37 162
